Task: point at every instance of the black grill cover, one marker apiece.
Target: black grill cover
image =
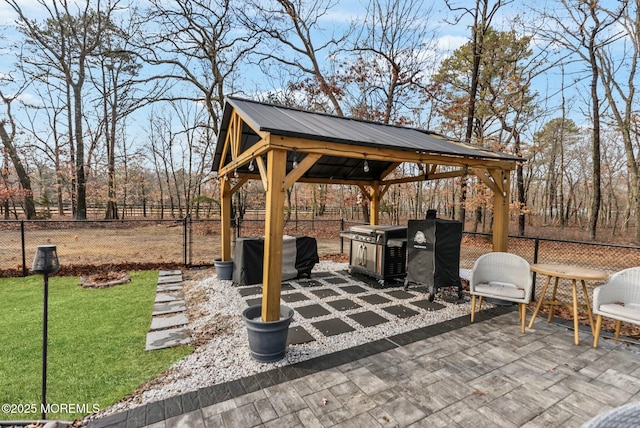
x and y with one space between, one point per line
433 252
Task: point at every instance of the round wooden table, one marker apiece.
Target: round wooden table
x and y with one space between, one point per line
575 274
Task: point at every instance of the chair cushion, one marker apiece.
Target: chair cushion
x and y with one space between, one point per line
500 289
615 310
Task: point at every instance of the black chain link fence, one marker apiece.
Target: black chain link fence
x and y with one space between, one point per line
609 258
94 246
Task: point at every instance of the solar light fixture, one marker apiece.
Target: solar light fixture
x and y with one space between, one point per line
45 262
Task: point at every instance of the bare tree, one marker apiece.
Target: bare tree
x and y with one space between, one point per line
621 94
585 30
288 28
8 136
202 43
394 51
482 13
116 69
65 42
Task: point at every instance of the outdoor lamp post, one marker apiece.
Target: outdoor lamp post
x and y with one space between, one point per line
45 262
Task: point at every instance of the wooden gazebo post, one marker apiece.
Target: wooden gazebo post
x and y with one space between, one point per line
225 218
274 226
500 209
374 204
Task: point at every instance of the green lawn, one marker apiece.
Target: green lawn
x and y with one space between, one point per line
96 352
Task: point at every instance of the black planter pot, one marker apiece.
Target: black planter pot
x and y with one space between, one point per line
224 269
267 340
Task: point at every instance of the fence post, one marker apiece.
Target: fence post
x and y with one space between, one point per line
184 241
536 248
24 253
190 231
341 239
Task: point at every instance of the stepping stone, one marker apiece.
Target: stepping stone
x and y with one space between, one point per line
418 288
298 335
335 280
427 305
312 311
170 272
343 304
401 294
249 291
164 288
286 286
169 307
332 327
255 301
293 297
353 289
368 318
309 283
168 338
173 279
374 299
323 274
400 311
161 323
167 297
323 293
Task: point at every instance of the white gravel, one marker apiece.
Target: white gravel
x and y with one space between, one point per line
222 354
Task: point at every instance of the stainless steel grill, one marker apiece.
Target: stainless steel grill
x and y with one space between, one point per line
377 250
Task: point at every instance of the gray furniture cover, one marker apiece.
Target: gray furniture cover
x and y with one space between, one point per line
299 256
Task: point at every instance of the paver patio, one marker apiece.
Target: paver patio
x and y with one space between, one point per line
453 374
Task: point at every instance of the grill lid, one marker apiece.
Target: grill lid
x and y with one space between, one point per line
376 228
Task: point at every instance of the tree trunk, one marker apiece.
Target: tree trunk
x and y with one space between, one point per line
595 150
23 177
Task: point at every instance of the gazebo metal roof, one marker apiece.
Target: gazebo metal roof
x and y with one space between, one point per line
358 140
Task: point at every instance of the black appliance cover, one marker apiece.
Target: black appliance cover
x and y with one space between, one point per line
433 253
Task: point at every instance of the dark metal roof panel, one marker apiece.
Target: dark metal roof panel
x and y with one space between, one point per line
322 127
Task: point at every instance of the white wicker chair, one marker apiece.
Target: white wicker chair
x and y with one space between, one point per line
502 276
618 298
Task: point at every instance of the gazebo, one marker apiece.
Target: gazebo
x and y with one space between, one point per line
281 146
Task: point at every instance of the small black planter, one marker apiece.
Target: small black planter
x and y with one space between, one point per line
267 340
224 269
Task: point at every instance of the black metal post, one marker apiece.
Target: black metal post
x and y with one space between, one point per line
190 231
341 240
536 248
184 241
24 254
45 317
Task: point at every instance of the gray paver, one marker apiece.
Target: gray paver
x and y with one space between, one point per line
187 420
163 322
168 338
169 308
170 272
166 288
169 279
168 297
